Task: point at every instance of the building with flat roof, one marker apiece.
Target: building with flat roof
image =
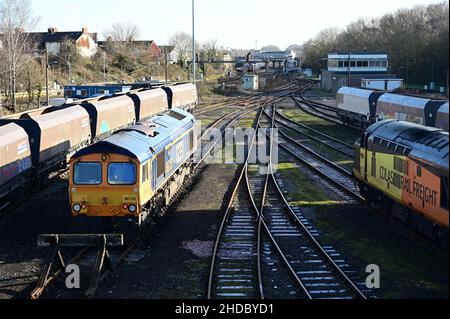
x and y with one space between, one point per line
382 84
349 68
358 62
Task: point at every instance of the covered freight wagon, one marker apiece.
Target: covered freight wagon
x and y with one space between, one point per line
183 96
54 135
15 157
357 105
149 103
442 117
408 108
110 114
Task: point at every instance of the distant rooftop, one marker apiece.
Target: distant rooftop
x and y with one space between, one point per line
358 52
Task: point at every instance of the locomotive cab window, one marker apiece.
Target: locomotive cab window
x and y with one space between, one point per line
87 174
419 171
161 164
191 141
122 174
145 173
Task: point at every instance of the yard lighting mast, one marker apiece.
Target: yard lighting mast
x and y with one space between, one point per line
104 67
193 41
69 64
349 68
46 77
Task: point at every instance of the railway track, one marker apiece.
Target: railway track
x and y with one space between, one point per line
317 109
244 102
257 255
236 254
318 270
315 135
321 275
317 165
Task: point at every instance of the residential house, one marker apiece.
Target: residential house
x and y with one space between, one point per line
52 40
169 51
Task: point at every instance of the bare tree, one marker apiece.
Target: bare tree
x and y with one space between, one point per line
122 32
416 40
317 48
182 42
15 17
120 45
211 48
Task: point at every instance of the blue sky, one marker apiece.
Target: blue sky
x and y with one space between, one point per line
234 23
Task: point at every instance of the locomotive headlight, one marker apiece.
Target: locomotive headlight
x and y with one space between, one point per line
76 208
132 208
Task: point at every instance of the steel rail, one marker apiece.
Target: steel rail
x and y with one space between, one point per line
227 213
300 224
322 174
315 139
313 153
311 237
262 222
313 130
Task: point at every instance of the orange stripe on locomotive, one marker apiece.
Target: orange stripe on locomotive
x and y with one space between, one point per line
422 193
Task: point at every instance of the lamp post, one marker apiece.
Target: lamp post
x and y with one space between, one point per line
349 68
104 67
165 64
69 64
46 77
193 41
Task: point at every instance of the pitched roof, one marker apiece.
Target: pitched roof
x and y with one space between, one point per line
139 42
169 48
44 37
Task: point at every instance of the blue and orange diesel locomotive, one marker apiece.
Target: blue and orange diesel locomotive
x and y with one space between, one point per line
135 172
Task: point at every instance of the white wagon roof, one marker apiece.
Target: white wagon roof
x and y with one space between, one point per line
443 108
410 101
355 92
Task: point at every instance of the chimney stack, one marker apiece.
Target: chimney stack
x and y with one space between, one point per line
85 30
52 30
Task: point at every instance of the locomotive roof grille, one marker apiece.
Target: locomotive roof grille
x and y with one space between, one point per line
416 138
176 115
143 129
